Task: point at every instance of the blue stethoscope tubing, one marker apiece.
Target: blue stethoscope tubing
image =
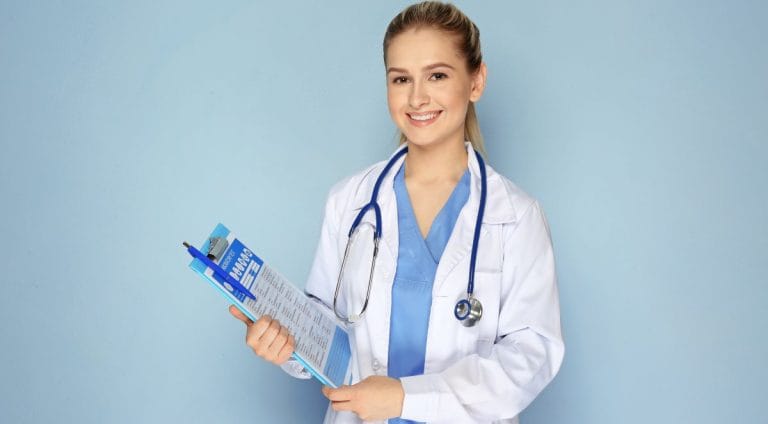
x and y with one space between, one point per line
468 311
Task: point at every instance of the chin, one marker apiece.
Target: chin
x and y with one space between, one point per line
419 141
424 140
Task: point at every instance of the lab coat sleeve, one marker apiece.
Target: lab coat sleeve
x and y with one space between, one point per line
528 349
322 275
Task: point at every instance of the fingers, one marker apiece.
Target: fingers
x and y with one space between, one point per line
266 337
260 327
269 335
341 398
374 398
239 315
343 406
285 352
280 339
270 340
254 333
342 394
278 342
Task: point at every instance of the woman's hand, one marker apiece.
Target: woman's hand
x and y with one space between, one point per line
266 337
375 398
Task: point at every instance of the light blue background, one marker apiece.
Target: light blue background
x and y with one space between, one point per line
127 127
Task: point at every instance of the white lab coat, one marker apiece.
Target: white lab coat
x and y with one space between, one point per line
486 373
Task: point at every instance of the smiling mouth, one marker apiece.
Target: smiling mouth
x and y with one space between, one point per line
423 118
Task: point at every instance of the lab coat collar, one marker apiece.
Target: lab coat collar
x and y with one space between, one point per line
498 208
386 192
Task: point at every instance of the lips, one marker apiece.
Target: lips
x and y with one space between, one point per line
424 118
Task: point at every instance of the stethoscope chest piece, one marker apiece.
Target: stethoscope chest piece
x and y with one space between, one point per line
468 311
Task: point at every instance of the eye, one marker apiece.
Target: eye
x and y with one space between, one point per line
437 76
399 80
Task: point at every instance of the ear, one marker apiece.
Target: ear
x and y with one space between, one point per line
478 83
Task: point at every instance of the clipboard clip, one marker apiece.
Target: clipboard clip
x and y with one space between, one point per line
217 246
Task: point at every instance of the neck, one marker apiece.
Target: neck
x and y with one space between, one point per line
442 162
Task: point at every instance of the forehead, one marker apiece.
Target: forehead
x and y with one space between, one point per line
423 46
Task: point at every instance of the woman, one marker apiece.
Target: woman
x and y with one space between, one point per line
414 359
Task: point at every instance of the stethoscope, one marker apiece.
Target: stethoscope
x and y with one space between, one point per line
469 310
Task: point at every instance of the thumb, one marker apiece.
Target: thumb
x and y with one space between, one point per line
239 315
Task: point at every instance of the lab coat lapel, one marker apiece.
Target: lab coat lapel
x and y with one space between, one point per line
459 244
390 237
498 210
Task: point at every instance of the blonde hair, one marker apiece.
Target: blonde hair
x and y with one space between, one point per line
448 18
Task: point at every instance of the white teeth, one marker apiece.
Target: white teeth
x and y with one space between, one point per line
426 117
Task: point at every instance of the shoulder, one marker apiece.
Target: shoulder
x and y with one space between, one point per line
507 202
354 188
523 223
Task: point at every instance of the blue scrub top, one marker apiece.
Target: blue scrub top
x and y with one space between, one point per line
416 267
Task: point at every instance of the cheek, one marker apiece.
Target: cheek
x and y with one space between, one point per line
390 101
393 102
457 95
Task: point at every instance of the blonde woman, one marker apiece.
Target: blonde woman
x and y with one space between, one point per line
462 322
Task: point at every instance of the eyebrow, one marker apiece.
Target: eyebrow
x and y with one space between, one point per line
426 68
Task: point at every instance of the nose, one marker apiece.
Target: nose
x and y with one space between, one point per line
418 96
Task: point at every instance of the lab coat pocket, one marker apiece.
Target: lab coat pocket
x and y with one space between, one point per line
447 340
467 338
450 340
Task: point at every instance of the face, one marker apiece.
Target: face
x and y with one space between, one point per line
429 87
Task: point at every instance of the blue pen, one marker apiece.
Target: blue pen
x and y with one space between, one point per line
217 270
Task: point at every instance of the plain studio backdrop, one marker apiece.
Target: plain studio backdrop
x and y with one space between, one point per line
128 127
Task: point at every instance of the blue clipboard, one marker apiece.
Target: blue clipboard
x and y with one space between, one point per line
242 278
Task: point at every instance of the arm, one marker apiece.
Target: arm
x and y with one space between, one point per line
528 349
